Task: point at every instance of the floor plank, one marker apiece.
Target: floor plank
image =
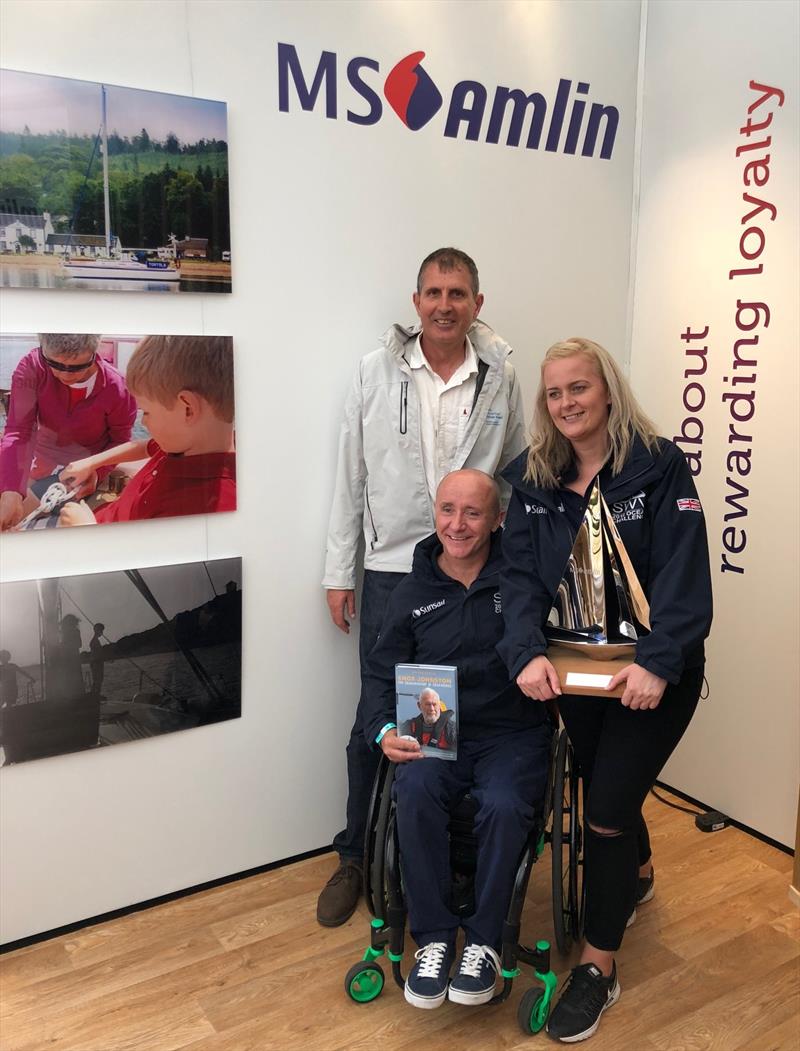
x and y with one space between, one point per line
711 963
740 1018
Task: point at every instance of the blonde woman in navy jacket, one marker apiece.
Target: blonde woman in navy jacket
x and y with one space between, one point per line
586 424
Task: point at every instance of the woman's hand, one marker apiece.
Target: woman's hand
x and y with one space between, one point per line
539 680
642 689
10 510
400 749
73 514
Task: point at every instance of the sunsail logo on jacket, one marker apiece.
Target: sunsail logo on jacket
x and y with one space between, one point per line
561 125
429 608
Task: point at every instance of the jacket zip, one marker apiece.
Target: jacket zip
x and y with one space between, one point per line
483 368
374 540
404 407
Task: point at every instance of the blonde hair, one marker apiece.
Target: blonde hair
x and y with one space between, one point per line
550 453
162 366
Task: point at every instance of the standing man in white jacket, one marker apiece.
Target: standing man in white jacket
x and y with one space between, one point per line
430 400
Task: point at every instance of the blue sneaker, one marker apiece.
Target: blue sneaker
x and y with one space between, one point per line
426 985
475 978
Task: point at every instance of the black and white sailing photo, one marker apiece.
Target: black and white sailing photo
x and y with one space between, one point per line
105 658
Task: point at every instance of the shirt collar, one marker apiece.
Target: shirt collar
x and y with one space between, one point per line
201 465
417 360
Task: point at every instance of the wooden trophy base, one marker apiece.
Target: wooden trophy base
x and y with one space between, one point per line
581 674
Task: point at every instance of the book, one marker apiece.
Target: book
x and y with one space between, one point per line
427 707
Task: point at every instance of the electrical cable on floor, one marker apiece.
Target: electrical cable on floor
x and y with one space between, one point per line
675 806
704 820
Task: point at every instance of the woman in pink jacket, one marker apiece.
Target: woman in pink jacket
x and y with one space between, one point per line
66 403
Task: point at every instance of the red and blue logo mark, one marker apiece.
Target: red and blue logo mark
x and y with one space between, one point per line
567 121
411 93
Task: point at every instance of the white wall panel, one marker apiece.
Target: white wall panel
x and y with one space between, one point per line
329 223
741 751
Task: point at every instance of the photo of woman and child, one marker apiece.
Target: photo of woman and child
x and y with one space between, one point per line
90 438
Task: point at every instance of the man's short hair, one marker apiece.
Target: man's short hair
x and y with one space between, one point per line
428 692
162 366
69 345
449 259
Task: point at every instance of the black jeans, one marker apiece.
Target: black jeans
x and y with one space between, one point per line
362 760
620 754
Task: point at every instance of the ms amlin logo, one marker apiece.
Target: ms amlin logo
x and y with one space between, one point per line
415 98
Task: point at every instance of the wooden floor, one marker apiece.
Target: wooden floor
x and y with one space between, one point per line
712 962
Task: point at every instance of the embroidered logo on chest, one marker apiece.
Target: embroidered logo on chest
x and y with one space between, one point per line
630 510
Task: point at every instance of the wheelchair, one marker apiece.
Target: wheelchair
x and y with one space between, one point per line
558 821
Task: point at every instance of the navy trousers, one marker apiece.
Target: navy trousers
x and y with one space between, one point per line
362 761
507 776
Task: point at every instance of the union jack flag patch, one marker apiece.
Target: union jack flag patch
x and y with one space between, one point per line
689 503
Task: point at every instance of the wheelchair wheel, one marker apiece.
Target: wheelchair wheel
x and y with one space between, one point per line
532 1012
547 807
377 821
364 982
567 848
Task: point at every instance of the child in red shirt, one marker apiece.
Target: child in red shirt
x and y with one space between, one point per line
184 385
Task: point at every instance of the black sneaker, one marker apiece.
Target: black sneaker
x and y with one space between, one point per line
645 888
475 976
426 985
585 997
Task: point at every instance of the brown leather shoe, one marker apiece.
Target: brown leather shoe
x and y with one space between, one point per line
340 895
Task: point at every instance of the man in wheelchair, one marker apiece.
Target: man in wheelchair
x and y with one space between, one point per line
448 611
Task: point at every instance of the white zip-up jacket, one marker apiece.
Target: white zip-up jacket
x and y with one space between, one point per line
381 489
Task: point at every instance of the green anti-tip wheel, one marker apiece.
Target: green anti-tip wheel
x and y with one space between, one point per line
363 982
532 1012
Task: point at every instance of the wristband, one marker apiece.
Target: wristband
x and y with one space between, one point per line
384 731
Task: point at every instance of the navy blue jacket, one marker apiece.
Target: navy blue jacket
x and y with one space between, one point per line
664 535
433 619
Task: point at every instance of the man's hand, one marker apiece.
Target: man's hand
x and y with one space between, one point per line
10 510
79 473
539 680
73 514
642 689
400 749
341 601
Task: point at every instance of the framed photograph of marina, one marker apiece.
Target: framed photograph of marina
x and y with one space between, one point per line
106 658
111 188
99 429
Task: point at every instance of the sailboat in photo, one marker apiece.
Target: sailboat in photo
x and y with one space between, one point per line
188 667
109 266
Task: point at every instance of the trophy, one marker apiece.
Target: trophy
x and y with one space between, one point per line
600 609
